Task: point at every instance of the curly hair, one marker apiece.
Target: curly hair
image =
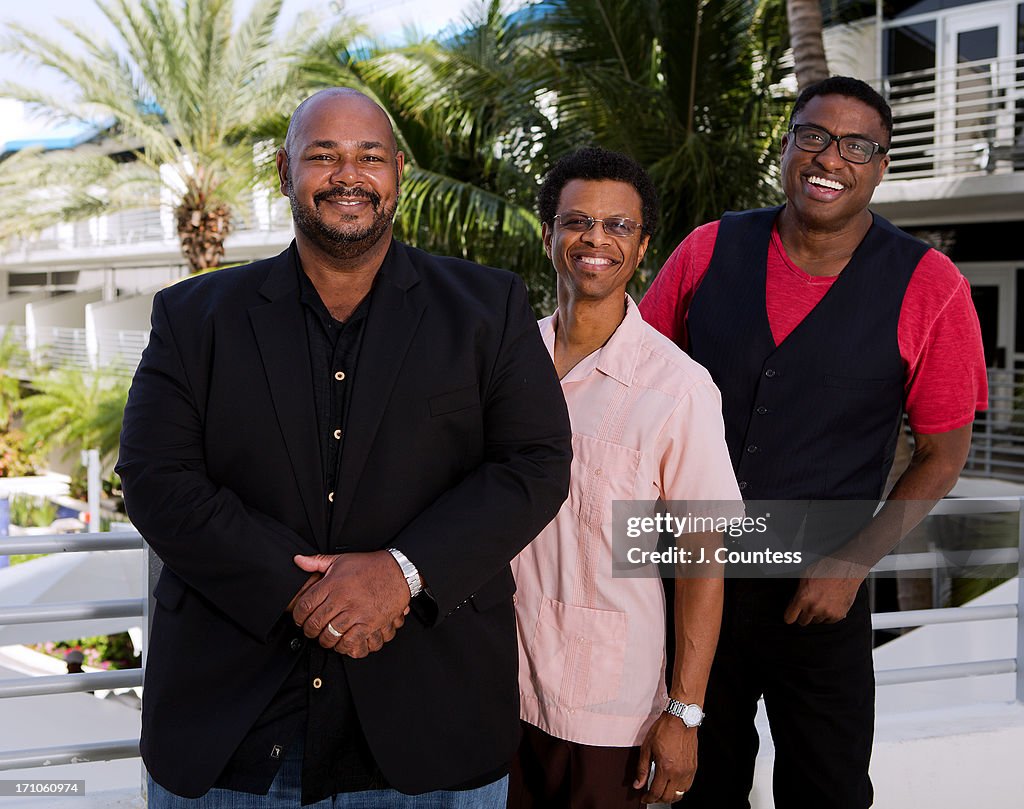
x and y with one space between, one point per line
595 163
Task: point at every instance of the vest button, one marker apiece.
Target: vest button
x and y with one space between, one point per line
770 373
742 484
762 410
752 449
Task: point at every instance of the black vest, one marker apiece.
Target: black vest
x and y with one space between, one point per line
818 416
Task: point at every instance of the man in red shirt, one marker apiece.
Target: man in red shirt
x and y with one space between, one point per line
820 323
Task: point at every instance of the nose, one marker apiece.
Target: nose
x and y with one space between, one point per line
595 234
346 172
830 155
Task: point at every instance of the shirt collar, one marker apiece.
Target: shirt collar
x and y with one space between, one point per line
617 358
311 298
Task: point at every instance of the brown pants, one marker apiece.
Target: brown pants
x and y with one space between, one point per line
550 773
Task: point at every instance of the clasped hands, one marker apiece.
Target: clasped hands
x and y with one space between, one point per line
364 596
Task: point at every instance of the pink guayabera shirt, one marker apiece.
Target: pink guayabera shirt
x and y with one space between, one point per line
647 425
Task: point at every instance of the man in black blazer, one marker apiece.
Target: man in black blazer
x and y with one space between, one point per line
316 444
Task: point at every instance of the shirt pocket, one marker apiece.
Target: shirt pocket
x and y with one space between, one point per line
602 472
578 654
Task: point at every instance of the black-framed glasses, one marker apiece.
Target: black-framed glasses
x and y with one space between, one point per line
811 138
612 225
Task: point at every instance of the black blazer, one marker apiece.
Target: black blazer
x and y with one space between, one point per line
457 452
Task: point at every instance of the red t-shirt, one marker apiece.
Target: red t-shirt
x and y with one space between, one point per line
938 333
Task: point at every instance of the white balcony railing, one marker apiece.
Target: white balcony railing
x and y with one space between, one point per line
961 120
997 444
116 351
60 347
259 212
120 350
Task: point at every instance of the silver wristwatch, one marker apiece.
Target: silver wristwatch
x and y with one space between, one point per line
412 575
691 713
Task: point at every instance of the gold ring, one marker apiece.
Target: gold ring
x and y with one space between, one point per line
334 631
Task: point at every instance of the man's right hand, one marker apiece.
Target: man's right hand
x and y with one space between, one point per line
363 596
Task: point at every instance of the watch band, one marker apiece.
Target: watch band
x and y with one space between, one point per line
690 713
412 575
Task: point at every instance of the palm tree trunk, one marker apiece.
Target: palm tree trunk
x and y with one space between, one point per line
805 36
202 234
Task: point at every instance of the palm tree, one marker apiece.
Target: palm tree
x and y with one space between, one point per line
685 88
805 35
484 111
181 91
71 410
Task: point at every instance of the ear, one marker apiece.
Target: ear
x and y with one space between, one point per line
399 168
883 166
546 235
644 242
282 171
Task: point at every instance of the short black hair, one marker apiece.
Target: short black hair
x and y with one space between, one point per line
851 88
595 163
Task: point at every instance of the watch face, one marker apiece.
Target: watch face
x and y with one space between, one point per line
692 715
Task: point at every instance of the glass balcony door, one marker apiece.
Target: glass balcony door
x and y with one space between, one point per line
977 72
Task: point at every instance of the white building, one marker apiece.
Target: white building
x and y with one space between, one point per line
80 293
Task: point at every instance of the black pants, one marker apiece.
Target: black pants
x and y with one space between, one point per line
819 691
551 773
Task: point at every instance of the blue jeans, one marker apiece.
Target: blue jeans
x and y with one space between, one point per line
286 793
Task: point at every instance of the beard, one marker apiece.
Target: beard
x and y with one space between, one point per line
338 242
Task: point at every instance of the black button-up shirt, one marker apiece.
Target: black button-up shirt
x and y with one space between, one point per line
314 707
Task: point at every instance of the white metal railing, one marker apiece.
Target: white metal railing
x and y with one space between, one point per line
60 347
116 351
997 443
959 560
259 211
19 336
119 351
963 119
62 683
129 748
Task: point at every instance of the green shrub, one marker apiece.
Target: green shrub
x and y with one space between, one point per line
32 512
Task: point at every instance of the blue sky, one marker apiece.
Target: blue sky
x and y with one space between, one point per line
386 18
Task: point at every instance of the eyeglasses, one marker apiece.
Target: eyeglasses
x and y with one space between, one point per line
613 225
811 138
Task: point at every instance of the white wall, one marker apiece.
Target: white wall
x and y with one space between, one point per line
852 50
67 313
64 311
12 309
115 330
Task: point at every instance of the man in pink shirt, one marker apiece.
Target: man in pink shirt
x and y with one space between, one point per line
647 425
821 324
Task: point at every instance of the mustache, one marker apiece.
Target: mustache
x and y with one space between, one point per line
347 193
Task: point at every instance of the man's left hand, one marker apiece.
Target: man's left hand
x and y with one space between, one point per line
825 592
671 748
364 596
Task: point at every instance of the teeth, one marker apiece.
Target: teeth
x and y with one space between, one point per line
826 183
597 262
